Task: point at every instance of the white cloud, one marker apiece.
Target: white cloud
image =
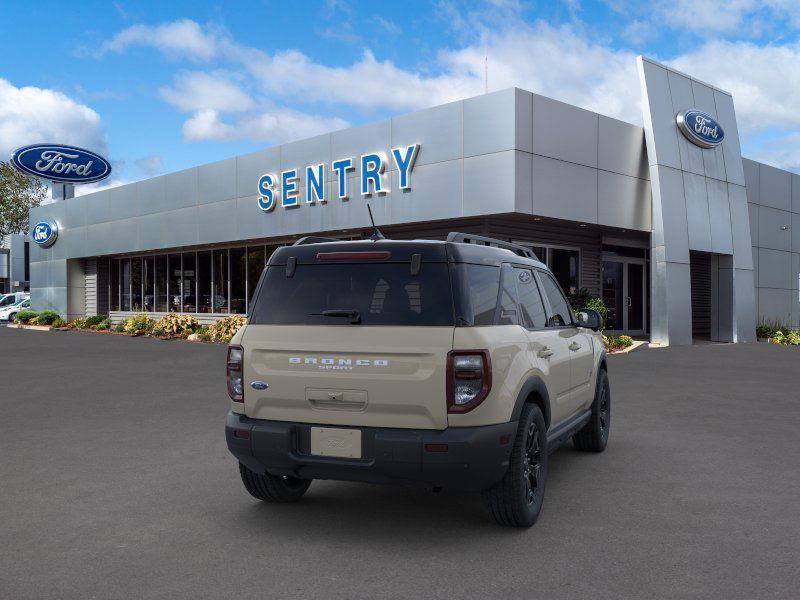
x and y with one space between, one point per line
181 38
30 114
198 90
150 166
783 152
562 62
709 17
764 80
278 125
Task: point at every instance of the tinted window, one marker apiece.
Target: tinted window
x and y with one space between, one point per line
508 297
383 294
477 293
530 300
561 313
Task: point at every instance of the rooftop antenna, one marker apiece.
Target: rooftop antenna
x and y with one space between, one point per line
486 73
376 235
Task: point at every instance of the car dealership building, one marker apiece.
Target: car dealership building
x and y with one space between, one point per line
678 234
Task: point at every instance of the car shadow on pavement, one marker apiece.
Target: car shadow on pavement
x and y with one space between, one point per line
358 511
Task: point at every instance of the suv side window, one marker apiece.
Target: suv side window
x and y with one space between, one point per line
561 313
507 303
530 300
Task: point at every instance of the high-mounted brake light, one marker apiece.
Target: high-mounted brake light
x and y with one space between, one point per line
368 255
234 373
469 379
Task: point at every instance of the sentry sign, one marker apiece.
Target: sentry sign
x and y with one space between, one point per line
284 189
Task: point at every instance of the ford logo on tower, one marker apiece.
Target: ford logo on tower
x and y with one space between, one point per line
65 164
44 233
700 128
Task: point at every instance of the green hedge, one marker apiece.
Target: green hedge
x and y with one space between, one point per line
24 316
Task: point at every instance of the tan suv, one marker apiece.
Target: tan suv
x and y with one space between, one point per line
457 364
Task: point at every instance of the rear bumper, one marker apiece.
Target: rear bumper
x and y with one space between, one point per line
476 457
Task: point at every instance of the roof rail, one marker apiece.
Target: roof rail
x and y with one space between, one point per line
469 238
314 239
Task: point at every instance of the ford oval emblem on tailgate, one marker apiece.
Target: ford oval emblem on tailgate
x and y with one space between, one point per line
259 385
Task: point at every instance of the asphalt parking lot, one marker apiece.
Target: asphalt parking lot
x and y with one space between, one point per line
115 482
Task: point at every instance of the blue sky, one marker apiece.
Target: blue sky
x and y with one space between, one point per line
159 86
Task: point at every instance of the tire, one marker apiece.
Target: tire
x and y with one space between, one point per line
516 500
594 435
272 488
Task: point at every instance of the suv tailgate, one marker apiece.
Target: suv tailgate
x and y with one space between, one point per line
390 376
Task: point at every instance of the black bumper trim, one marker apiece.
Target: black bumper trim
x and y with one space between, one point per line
475 460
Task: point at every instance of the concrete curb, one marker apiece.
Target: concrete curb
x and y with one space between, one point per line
33 327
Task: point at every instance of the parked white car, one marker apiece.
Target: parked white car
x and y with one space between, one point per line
7 313
7 300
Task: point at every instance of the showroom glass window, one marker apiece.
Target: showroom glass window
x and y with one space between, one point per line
113 284
189 280
148 283
204 282
136 284
238 303
160 276
126 284
174 283
256 259
218 281
219 288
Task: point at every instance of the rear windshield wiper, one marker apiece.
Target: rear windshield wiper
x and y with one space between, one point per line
353 315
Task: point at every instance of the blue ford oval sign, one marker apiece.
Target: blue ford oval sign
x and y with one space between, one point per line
700 128
45 233
65 164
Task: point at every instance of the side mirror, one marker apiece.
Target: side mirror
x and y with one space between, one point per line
590 319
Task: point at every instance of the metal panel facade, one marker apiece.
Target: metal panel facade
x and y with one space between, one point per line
698 205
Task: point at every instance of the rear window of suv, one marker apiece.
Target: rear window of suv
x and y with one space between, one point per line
381 294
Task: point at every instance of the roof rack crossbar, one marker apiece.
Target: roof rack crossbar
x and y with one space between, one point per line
469 238
314 239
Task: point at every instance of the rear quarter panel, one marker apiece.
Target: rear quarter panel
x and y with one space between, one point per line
511 366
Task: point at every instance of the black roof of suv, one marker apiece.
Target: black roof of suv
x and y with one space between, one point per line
458 247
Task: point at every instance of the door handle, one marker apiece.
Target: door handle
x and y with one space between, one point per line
545 352
574 346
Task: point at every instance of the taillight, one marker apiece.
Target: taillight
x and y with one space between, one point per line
469 379
235 373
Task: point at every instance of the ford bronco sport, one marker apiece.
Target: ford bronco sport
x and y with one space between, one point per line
458 364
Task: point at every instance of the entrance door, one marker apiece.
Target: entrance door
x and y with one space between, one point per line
625 294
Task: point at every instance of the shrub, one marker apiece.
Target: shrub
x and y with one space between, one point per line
583 299
224 329
778 332
91 322
204 333
119 327
138 324
46 317
176 325
59 322
103 325
769 329
25 316
787 337
617 342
